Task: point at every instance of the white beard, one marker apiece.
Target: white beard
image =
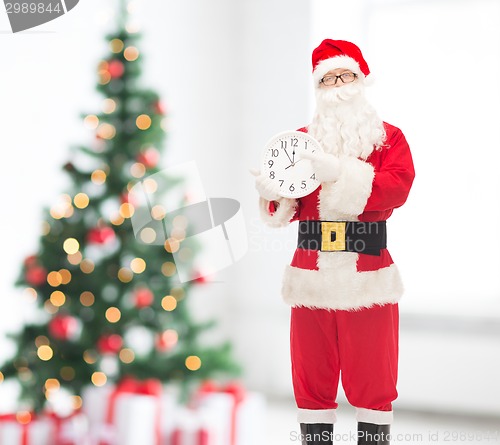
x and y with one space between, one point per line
345 123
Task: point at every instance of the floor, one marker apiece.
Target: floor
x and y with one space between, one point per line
408 428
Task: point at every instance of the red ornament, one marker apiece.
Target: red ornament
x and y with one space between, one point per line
31 261
159 108
115 69
150 157
109 344
101 235
166 340
35 275
63 327
143 297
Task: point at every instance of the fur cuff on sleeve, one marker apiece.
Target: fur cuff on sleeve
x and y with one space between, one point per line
353 188
280 216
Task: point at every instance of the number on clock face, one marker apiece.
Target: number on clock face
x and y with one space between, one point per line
283 163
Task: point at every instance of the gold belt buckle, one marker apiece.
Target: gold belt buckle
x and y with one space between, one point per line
327 229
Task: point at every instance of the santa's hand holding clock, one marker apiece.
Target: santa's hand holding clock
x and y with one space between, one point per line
340 177
265 186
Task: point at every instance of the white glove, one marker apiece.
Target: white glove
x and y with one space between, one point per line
267 188
326 166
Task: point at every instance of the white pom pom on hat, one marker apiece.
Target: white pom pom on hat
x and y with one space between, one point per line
332 54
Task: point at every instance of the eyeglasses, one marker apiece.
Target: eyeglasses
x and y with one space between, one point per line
331 79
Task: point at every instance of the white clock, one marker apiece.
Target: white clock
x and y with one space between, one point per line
282 162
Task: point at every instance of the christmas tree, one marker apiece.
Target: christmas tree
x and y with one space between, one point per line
109 305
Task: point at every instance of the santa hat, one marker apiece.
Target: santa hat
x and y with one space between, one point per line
332 54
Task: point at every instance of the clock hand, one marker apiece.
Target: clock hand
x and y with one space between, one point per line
288 156
293 164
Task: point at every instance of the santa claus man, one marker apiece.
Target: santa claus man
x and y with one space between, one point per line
342 284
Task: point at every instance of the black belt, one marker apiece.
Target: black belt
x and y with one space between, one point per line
343 236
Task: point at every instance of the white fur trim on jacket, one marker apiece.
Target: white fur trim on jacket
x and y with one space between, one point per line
283 214
333 63
338 285
348 196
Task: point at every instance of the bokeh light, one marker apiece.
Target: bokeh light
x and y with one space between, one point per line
193 363
99 378
138 265
169 303
45 353
71 245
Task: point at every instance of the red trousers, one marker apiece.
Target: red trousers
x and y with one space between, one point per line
360 346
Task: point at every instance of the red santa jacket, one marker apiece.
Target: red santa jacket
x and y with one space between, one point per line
367 190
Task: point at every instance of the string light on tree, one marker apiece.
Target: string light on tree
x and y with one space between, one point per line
81 200
91 121
148 235
108 106
158 212
71 246
138 265
104 75
41 340
75 258
127 210
143 122
169 303
54 278
125 275
106 131
45 353
168 268
65 275
113 314
116 45
87 298
51 386
137 170
87 266
131 53
99 378
31 294
57 298
90 357
98 177
127 355
193 363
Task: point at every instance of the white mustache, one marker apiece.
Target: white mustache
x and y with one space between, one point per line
345 93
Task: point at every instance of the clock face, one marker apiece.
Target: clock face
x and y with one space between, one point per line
282 162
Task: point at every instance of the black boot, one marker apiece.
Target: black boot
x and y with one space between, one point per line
316 433
371 434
